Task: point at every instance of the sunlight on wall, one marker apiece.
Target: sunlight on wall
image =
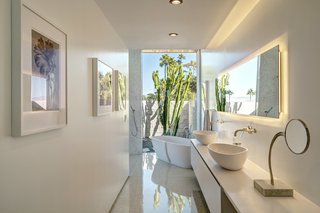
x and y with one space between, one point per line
238 13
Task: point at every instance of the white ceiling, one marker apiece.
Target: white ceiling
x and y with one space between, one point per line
145 24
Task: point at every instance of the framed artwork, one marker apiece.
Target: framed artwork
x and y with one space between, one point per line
121 91
39 101
102 88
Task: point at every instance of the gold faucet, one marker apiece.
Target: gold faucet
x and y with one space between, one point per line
248 129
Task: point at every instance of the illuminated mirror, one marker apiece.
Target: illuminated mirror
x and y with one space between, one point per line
251 88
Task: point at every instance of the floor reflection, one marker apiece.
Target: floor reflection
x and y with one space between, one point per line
173 185
156 186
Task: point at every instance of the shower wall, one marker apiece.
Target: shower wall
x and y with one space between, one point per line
135 94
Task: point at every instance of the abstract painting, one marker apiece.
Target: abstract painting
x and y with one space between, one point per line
45 73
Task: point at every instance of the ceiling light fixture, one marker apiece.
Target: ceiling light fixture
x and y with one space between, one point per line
173 34
176 2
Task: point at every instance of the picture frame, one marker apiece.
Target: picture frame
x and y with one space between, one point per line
120 91
102 88
39 73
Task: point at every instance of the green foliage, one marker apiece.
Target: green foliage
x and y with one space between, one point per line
193 86
105 86
174 86
221 91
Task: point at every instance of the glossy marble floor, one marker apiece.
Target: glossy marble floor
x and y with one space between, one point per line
155 186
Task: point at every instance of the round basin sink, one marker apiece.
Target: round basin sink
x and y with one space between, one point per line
228 156
205 137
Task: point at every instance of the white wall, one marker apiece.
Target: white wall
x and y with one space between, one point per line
81 167
299 20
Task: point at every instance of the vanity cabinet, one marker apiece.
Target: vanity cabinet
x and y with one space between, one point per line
209 186
232 191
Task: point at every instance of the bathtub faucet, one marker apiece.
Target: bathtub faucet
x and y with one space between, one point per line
248 129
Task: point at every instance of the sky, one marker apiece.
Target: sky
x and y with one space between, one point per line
150 63
243 78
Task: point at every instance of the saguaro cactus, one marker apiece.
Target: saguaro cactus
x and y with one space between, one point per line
217 95
174 86
221 91
149 114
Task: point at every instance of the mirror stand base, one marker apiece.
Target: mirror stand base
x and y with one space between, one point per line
279 189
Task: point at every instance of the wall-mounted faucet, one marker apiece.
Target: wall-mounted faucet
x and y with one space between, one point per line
248 129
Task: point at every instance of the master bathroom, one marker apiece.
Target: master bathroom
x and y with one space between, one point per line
159 106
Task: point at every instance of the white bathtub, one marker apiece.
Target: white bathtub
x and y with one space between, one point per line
174 150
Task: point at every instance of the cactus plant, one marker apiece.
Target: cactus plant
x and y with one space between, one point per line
174 86
217 95
221 91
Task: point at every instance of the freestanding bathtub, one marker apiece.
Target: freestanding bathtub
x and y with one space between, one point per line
174 150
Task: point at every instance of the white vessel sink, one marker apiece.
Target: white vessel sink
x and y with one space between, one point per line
228 156
205 137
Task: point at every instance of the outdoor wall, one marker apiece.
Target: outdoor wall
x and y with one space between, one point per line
297 21
156 129
82 167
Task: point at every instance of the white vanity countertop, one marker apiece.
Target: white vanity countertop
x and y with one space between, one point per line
238 186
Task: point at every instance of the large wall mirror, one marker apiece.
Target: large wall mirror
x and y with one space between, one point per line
251 88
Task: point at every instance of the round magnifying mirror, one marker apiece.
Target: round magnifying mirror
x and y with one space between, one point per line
297 136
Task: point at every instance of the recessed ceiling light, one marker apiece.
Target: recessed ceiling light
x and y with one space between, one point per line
173 34
176 2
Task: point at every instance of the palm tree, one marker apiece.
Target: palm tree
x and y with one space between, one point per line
165 60
180 58
251 93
